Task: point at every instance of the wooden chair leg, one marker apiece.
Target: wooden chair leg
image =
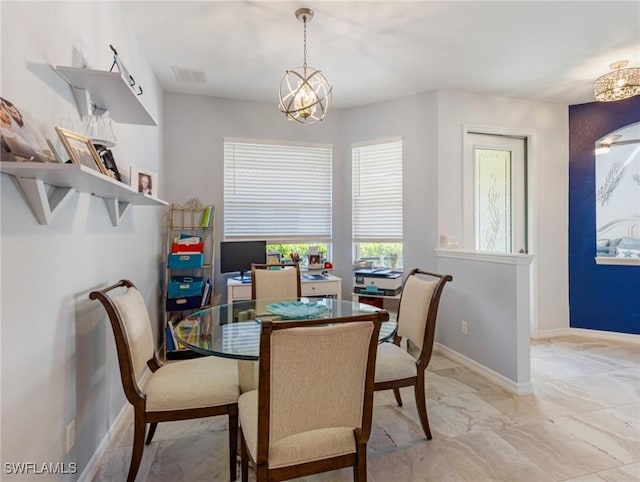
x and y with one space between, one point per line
138 446
360 467
396 393
244 459
152 431
233 441
421 404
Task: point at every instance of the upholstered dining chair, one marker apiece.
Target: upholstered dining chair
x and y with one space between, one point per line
279 281
312 410
180 390
282 282
417 312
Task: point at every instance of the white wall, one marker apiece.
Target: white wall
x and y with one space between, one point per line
413 118
195 167
58 356
194 134
549 181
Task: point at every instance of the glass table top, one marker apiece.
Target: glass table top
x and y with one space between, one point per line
233 330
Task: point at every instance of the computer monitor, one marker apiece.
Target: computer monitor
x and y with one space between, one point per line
238 255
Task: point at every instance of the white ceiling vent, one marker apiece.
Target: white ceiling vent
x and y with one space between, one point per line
189 75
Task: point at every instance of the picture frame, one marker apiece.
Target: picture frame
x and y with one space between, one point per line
81 150
273 258
143 181
108 161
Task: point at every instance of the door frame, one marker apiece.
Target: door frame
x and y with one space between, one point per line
530 149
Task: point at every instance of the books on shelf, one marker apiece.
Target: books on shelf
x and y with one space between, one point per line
169 339
172 336
206 293
207 215
187 329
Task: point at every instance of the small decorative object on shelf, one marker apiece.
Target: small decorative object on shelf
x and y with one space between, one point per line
19 137
108 161
145 182
189 269
81 150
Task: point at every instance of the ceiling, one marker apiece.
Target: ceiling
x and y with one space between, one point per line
375 51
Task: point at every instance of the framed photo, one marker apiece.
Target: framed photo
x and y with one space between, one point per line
81 150
108 161
145 182
273 258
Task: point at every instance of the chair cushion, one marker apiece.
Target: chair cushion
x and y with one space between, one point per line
296 449
200 382
393 363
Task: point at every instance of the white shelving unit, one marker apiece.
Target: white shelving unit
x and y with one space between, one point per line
32 177
109 91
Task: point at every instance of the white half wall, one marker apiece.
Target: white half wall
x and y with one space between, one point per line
491 293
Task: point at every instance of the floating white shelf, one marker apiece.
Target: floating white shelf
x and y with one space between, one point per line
68 178
619 261
109 91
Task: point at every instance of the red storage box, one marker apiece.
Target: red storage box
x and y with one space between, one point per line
187 248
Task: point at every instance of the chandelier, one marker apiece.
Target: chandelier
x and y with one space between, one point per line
619 84
305 93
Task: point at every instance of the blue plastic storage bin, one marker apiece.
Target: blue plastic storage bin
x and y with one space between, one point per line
182 260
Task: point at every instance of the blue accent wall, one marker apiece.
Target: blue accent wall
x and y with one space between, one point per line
601 297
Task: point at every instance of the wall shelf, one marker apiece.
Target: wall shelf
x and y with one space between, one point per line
611 260
32 177
109 91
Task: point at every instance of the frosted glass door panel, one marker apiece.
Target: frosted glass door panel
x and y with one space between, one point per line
493 230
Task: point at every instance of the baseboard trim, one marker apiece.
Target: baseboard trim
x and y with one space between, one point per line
606 335
495 377
94 463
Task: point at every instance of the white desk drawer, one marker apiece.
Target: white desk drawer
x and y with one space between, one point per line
241 292
331 286
320 288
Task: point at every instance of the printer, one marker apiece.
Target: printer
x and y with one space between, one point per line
381 282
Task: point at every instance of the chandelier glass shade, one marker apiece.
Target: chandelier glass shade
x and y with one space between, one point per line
305 92
619 84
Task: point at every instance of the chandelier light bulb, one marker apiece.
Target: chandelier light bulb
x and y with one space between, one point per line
304 101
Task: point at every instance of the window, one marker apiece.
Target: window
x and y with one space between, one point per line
377 203
278 192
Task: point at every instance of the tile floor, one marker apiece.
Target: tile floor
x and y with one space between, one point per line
582 424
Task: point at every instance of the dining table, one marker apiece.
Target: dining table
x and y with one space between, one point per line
233 330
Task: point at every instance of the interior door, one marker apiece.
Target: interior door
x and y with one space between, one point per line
495 193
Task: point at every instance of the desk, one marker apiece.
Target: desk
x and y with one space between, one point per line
232 330
329 286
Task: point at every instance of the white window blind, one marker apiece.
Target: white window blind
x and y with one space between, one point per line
277 192
377 192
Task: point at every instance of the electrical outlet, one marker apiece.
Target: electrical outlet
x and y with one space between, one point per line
464 327
71 435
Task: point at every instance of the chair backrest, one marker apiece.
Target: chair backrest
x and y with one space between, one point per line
418 309
279 281
132 333
315 375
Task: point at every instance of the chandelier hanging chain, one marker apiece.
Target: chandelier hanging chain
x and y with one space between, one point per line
304 63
